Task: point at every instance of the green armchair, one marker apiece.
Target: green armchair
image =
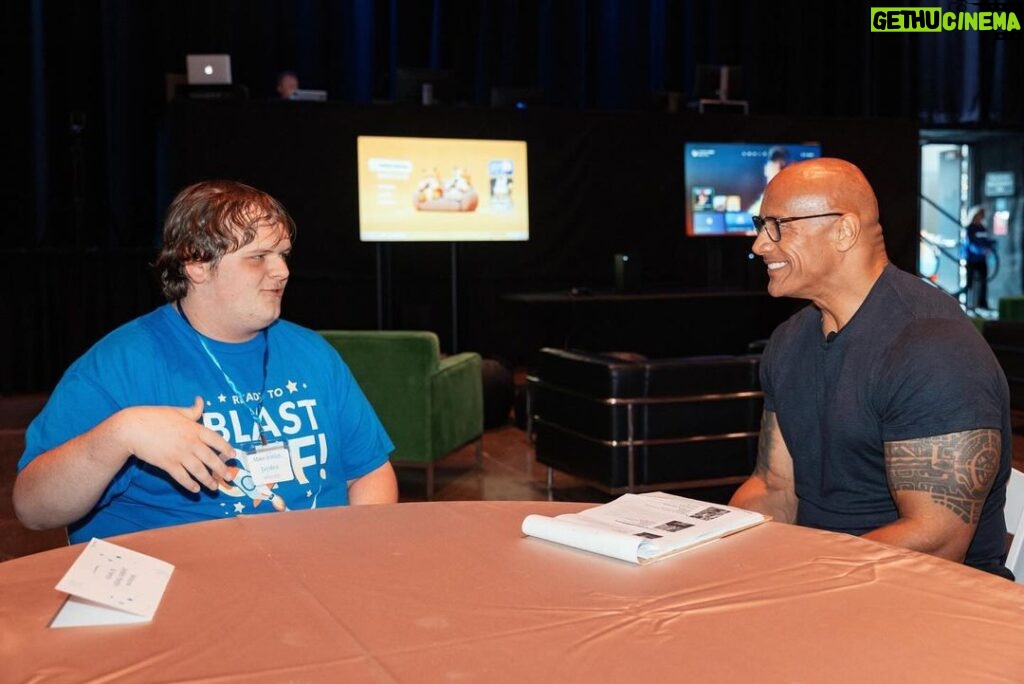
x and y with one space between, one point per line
429 405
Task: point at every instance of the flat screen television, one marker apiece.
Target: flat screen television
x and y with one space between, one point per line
442 190
725 182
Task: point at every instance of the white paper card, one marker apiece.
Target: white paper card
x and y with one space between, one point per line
78 612
110 584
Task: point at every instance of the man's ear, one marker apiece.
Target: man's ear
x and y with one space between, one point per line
847 231
197 271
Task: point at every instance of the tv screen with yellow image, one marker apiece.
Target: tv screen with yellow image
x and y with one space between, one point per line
442 190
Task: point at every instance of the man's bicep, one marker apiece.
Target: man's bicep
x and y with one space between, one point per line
956 470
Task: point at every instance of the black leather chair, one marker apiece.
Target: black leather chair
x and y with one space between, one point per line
627 424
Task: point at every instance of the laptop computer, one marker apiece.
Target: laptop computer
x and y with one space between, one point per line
309 95
208 69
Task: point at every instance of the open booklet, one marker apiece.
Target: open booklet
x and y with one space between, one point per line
641 528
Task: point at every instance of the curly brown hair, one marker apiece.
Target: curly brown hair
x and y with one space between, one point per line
208 220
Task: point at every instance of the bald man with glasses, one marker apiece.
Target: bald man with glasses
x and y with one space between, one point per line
886 414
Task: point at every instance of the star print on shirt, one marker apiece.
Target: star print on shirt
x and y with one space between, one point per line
221 398
239 507
292 387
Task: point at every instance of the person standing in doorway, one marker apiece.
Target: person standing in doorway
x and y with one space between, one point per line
978 244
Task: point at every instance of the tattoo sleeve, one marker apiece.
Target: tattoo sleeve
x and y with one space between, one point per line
765 441
956 469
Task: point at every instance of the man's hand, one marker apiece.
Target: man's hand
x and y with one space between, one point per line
171 439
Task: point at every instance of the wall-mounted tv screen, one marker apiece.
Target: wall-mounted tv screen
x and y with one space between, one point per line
725 182
442 190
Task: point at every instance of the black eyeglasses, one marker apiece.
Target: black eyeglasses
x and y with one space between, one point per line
773 226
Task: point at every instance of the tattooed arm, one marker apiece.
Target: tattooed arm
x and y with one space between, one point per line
939 485
770 488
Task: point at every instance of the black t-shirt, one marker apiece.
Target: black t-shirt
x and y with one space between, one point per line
908 365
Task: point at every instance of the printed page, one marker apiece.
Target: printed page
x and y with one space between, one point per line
666 522
642 527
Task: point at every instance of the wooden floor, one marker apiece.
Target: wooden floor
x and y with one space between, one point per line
507 472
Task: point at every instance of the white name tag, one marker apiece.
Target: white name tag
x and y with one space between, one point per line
269 464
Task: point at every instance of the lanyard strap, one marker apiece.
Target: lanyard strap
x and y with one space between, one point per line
255 412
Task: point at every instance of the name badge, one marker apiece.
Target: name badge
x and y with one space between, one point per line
269 464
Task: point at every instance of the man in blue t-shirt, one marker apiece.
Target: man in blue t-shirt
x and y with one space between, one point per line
210 406
886 414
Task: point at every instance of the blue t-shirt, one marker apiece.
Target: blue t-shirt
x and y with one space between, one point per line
311 405
908 365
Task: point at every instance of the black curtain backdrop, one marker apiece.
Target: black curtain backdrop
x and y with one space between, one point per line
87 94
86 78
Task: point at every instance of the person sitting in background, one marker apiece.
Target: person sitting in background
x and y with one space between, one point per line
287 84
977 247
210 406
886 414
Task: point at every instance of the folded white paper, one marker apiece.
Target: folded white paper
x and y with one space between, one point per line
109 584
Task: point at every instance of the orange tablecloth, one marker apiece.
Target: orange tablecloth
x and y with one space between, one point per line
452 592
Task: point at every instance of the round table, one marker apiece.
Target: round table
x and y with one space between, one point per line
425 592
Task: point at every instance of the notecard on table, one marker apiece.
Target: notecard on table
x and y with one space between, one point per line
109 585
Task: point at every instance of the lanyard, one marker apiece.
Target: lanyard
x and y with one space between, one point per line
255 412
